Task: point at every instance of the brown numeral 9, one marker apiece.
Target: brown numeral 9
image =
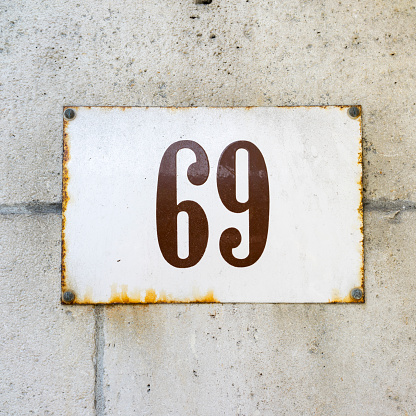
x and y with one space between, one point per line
167 208
257 203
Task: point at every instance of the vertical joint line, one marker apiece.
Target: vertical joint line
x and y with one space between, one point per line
99 399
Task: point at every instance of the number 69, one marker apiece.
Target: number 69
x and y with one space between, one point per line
167 208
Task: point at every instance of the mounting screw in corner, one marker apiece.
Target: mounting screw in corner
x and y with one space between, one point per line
68 296
354 112
357 293
69 114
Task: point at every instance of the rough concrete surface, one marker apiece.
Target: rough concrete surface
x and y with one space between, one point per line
237 52
275 359
205 359
47 350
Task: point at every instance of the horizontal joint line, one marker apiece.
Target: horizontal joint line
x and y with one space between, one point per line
31 208
42 208
388 206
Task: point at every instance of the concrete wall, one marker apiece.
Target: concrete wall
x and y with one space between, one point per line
205 359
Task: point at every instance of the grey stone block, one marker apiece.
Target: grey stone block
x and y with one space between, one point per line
47 350
352 359
234 53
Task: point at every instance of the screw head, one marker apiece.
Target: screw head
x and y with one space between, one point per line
357 293
69 114
68 296
354 112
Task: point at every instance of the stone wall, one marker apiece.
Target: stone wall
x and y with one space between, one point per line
205 359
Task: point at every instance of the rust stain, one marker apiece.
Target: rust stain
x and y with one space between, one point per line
88 295
163 298
362 287
175 108
361 243
109 107
182 109
208 298
360 207
123 108
336 298
65 197
119 297
151 296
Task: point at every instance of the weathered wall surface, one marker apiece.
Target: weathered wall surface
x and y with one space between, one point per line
205 359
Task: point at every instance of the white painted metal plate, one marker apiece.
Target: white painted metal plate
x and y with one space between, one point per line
286 179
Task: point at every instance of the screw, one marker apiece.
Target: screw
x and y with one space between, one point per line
69 114
354 112
357 293
68 296
203 1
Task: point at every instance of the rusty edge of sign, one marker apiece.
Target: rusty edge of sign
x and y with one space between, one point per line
151 297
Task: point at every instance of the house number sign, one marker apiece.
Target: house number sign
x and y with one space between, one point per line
189 205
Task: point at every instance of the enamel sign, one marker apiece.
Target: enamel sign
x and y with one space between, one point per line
166 205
